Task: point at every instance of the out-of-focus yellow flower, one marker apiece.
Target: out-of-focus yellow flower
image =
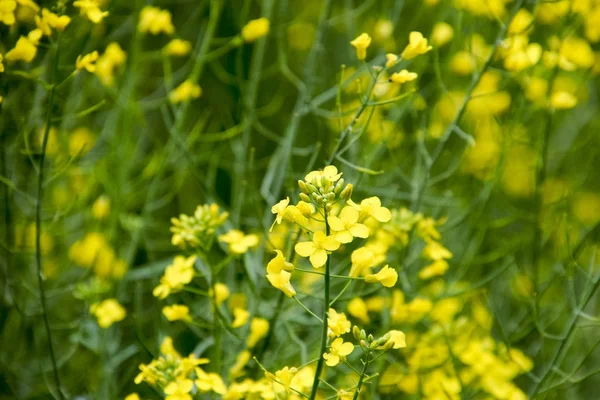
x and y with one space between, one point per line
114 56
1 65
562 100
337 323
258 330
392 59
300 35
177 312
132 396
25 49
198 229
255 29
462 63
186 91
91 10
338 352
442 34
179 389
403 76
176 276
362 261
108 312
7 11
575 53
284 377
240 317
435 251
437 268
358 309
49 20
417 45
205 382
536 89
101 207
386 276
383 30
88 62
586 207
81 140
178 47
361 44
154 20
317 249
239 243
220 292
521 22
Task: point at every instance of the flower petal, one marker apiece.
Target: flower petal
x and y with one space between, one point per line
304 249
359 230
336 223
318 258
349 215
344 236
382 214
330 244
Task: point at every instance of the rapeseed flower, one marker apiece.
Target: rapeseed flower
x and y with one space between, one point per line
7 11
317 249
155 21
338 352
255 29
87 61
186 91
108 312
361 43
238 241
337 323
386 276
91 10
177 312
417 45
403 76
346 226
176 276
178 47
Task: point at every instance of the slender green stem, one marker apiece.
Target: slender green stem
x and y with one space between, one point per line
307 309
315 386
38 224
362 376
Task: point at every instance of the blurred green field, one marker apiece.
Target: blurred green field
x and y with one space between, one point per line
275 199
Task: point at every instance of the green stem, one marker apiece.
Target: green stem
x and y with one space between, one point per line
315 386
216 331
362 376
38 225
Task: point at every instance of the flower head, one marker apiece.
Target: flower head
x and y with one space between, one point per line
176 276
108 312
417 45
386 276
186 91
346 225
154 20
198 229
371 207
361 43
88 62
338 352
91 10
279 210
178 47
7 11
179 389
177 312
24 50
239 243
240 317
337 323
284 377
403 76
317 249
255 29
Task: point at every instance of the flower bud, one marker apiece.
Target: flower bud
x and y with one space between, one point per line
347 192
370 338
339 186
302 186
356 332
304 197
363 343
311 188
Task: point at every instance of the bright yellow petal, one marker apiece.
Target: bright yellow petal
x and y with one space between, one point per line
382 214
346 348
304 249
344 236
336 223
349 215
330 244
318 258
359 230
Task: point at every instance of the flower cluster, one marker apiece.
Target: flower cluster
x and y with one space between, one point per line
199 229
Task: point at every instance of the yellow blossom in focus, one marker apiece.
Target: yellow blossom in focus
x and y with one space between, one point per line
108 312
284 377
279 210
177 312
179 389
417 45
239 243
186 91
346 226
154 20
317 249
221 293
240 317
88 62
403 76
91 10
397 338
338 352
255 29
361 43
178 47
386 276
337 323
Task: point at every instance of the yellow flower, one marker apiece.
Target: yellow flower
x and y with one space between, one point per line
392 59
284 377
88 62
179 389
101 207
240 362
255 29
329 175
258 330
186 91
24 50
442 34
197 230
49 20
362 260
386 276
155 21
403 76
177 312
221 293
346 226
435 251
437 268
1 65
338 352
417 45
398 338
113 57
317 249
371 207
239 243
337 323
278 264
178 47
240 317
279 210
562 100
281 281
91 10
361 43
176 276
132 396
345 394
81 141
7 11
358 309
108 312
206 382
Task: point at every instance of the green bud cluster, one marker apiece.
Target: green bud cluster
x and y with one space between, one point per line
324 193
